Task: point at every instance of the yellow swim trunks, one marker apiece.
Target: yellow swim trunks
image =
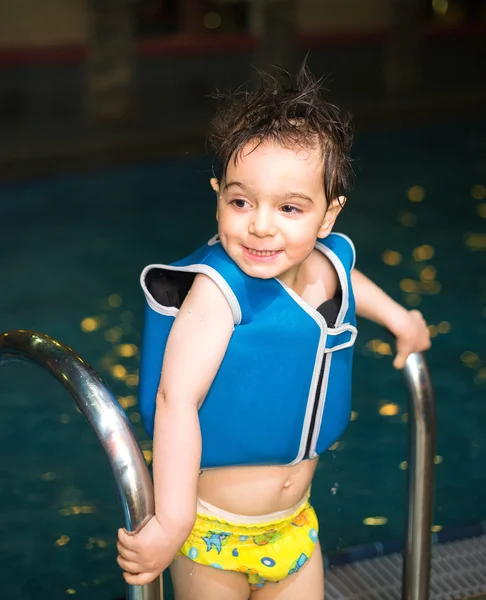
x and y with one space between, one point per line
268 548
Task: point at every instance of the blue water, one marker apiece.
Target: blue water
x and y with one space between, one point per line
73 246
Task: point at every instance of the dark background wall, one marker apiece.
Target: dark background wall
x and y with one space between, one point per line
128 81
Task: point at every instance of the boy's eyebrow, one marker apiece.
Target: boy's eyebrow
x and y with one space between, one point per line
241 185
288 195
283 195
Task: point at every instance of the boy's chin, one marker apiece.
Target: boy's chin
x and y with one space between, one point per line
259 272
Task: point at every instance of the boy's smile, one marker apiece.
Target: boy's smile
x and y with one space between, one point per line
265 255
272 208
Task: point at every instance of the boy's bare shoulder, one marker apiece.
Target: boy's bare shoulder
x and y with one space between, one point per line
206 295
322 279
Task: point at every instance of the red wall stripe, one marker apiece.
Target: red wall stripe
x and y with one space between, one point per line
181 45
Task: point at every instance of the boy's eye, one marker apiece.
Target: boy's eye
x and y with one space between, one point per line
289 209
239 203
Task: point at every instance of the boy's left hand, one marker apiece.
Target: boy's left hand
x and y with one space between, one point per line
412 335
144 555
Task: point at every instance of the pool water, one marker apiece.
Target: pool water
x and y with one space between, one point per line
71 251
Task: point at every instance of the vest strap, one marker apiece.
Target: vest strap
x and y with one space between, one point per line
340 337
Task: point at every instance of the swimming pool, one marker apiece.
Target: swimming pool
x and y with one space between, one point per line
71 250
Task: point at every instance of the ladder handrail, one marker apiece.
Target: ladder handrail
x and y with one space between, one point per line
420 479
134 483
110 423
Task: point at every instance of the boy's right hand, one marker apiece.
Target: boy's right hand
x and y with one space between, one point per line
144 555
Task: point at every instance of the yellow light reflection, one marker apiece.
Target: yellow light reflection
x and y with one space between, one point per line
436 528
471 359
131 380
391 258
379 347
440 7
107 361
428 273
63 540
135 417
127 401
373 521
147 454
212 20
389 409
70 591
403 466
409 286
115 300
335 446
407 219
118 371
354 415
481 376
413 299
416 193
384 349
444 327
90 324
113 334
424 252
432 331
482 210
431 287
478 192
438 459
126 350
476 241
77 510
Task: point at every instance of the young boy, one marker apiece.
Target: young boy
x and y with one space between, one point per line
256 331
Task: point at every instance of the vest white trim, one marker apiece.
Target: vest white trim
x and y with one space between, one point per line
231 395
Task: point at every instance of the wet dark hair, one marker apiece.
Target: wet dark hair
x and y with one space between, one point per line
290 111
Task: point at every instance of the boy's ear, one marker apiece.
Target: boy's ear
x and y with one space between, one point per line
330 217
215 185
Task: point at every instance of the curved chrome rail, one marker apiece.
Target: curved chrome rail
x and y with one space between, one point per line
133 479
420 495
109 422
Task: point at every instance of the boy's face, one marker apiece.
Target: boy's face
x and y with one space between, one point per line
271 208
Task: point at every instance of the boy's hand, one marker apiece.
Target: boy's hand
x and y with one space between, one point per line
412 335
144 555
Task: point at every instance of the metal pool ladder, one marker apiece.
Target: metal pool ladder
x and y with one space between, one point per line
109 422
420 504
133 479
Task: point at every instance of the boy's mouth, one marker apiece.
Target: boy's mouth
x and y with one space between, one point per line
262 254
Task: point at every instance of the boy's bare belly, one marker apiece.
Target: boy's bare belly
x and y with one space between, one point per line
256 490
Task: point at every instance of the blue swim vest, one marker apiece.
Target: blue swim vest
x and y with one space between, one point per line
283 391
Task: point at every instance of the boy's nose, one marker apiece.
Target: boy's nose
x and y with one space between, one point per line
262 223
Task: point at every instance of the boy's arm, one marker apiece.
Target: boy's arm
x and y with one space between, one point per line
195 348
408 327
